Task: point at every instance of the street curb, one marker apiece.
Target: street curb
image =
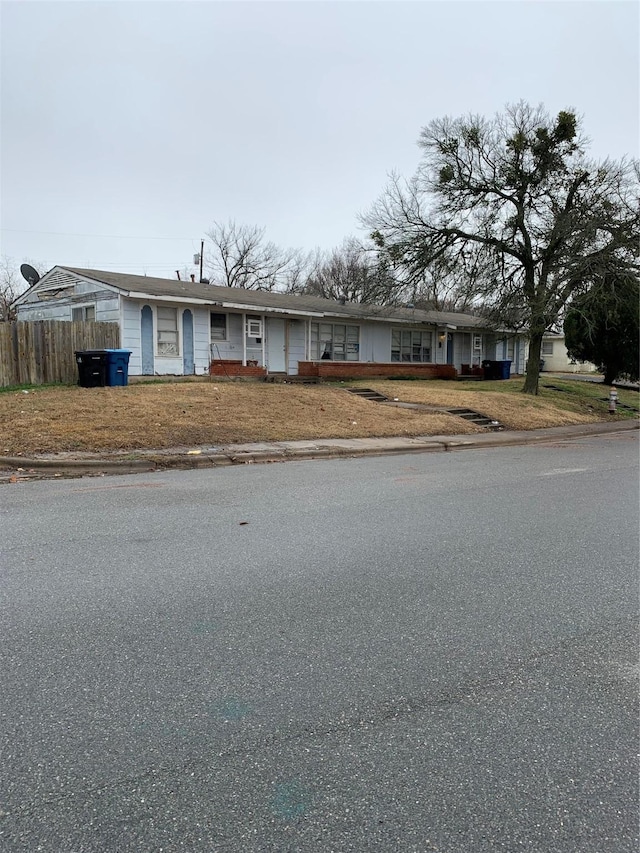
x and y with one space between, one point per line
132 466
513 439
13 468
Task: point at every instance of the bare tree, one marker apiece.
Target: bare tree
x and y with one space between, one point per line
239 256
352 273
515 200
443 288
12 284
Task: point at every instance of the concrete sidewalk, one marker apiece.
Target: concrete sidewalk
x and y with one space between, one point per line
16 468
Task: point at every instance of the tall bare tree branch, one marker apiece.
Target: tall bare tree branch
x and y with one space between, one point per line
518 193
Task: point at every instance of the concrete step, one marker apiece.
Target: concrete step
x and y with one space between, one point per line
468 414
368 394
477 418
285 379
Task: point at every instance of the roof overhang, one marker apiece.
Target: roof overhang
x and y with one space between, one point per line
254 309
235 306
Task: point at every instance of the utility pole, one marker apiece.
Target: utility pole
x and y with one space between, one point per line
201 259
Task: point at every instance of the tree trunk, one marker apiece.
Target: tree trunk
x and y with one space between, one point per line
533 362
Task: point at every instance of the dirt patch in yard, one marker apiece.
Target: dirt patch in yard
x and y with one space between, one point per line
162 415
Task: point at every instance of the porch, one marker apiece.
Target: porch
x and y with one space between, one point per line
234 368
389 370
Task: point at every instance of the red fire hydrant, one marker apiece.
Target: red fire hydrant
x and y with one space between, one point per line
613 400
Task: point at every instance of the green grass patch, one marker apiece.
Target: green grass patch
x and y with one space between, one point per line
9 389
590 394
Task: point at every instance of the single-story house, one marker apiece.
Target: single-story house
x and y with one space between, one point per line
556 358
186 327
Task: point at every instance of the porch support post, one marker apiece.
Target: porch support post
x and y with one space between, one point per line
264 337
244 339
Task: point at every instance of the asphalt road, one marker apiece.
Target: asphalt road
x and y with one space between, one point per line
430 652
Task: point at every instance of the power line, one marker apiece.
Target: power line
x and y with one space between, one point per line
73 234
153 265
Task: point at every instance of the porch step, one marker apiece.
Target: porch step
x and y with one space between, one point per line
284 379
368 394
477 419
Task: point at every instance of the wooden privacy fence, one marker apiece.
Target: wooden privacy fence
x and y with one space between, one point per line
44 351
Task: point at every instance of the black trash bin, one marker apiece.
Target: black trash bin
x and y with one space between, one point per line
489 368
92 367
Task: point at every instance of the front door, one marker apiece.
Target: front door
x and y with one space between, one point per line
449 347
276 346
188 363
146 340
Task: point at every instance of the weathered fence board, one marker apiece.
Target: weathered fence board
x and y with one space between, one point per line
44 351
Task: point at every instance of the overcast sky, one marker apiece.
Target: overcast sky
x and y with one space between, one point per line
127 122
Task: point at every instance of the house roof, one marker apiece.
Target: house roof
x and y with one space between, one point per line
138 286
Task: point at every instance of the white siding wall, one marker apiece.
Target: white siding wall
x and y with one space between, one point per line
105 302
201 324
45 311
86 287
130 334
559 360
131 339
296 345
232 347
108 309
168 366
30 297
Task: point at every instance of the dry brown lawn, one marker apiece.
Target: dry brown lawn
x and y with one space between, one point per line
190 414
506 403
160 415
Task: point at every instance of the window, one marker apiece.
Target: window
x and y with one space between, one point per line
218 327
477 342
83 312
409 345
547 347
254 327
167 323
335 341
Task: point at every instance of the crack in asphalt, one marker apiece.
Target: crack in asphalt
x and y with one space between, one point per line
386 712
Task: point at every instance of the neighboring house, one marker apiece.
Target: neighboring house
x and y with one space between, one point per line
179 327
556 358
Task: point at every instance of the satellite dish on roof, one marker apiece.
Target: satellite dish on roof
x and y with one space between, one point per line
29 274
